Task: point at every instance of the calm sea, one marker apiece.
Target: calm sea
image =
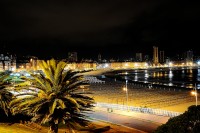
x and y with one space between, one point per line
177 77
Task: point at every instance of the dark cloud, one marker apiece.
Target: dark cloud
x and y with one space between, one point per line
99 23
68 19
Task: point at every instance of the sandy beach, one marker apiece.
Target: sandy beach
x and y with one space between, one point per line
111 91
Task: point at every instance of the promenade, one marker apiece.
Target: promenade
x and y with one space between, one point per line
142 116
140 121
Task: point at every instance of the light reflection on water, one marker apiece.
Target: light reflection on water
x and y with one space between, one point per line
170 77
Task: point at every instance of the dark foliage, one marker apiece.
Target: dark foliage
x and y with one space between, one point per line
14 118
188 122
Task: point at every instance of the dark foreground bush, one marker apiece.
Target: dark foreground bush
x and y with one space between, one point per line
188 122
13 118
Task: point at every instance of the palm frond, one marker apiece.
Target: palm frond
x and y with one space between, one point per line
61 104
53 95
71 101
58 72
52 107
47 70
5 95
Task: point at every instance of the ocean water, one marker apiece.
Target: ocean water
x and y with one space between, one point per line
175 77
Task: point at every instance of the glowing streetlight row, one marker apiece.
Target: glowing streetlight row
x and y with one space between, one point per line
126 89
194 92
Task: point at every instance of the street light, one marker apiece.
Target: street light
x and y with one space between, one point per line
126 89
195 93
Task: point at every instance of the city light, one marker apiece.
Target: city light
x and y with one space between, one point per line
198 62
170 64
126 64
194 92
126 89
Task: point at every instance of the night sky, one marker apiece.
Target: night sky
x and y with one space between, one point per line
51 28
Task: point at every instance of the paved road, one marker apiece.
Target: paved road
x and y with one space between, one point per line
126 120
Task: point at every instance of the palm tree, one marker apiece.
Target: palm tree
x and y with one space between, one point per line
54 96
5 95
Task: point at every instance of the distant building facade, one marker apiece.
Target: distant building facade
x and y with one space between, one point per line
162 57
72 57
189 56
7 62
146 58
99 58
138 57
155 55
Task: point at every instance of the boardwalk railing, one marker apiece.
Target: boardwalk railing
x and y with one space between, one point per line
138 109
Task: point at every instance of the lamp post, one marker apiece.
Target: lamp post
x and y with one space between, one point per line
126 89
195 93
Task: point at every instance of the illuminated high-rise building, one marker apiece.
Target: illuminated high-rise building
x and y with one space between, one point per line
155 55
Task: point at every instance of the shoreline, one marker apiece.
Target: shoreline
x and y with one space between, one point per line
121 74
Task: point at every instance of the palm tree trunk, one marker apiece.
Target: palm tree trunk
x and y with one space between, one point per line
3 65
53 128
70 129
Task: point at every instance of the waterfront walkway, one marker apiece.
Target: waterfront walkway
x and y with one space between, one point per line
140 121
143 116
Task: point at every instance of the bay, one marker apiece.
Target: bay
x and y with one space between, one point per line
185 77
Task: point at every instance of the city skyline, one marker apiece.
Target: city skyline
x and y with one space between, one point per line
156 56
113 29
